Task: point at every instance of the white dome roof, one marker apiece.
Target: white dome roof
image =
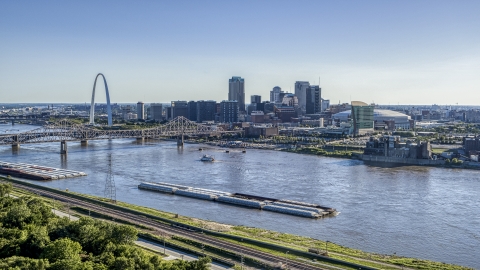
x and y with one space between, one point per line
378 115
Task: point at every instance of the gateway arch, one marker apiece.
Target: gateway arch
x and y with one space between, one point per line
92 107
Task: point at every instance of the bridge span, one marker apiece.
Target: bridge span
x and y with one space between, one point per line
64 131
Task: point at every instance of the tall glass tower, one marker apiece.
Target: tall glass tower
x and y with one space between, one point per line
236 91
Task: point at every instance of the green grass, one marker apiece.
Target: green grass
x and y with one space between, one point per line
438 150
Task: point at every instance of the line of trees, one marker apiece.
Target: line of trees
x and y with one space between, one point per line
32 237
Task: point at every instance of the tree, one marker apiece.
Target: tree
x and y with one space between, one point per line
5 189
62 249
36 241
17 216
23 263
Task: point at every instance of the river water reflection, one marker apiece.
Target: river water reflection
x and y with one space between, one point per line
429 213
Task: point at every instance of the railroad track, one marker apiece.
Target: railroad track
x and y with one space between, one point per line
265 258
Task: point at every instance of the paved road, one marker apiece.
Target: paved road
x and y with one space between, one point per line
174 254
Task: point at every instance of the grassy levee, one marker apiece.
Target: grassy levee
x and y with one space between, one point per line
197 252
194 228
292 251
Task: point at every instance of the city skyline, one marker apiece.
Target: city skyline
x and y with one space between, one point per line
382 52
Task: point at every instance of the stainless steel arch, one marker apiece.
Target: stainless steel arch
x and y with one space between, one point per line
92 107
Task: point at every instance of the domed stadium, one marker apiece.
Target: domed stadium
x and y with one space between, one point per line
379 116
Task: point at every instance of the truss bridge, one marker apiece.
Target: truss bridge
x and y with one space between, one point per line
64 131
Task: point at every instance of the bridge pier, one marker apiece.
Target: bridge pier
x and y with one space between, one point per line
180 141
84 143
63 147
15 146
140 139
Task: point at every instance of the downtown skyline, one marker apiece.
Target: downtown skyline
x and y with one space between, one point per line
383 52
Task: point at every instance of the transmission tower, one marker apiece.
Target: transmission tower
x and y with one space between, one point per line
110 192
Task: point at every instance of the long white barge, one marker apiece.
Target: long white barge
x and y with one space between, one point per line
288 207
36 172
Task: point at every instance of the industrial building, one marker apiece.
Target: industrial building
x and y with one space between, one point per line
391 146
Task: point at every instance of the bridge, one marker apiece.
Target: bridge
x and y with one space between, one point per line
64 131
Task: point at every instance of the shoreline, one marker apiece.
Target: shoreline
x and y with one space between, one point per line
349 154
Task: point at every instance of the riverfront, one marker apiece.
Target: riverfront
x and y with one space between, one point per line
419 212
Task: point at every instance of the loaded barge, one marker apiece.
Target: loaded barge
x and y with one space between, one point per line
35 172
288 207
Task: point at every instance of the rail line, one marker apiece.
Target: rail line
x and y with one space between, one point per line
265 258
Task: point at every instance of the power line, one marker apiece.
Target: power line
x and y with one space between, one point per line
110 192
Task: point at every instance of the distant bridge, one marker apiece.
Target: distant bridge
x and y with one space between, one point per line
64 131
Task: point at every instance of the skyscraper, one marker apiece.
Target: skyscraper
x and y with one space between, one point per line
156 111
301 93
236 91
313 99
275 95
140 110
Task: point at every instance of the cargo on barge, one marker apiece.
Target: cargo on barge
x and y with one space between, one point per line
288 207
36 172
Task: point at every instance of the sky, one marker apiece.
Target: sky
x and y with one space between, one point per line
386 52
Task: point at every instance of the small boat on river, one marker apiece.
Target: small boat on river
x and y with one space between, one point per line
208 158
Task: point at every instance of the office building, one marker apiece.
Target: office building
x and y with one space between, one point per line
236 91
156 111
192 110
257 117
229 111
267 107
362 116
206 110
313 99
255 99
251 107
125 111
290 100
261 106
140 110
285 114
275 95
179 108
301 93
325 103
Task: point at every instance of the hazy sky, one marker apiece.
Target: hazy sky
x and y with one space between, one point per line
387 52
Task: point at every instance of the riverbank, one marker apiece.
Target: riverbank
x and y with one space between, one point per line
291 241
379 160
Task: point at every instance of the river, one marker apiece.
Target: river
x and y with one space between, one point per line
424 212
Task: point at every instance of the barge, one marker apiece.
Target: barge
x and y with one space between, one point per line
301 209
36 172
